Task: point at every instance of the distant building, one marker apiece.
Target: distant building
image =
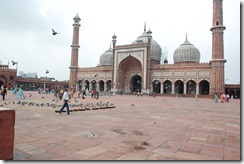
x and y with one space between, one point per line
8 77
28 75
33 84
21 74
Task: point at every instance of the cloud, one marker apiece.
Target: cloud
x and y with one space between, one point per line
26 30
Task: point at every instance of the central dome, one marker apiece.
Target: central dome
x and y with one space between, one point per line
186 53
155 51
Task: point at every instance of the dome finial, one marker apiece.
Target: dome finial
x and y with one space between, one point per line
145 27
186 36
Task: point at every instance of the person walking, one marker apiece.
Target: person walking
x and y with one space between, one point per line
228 97
216 97
20 94
4 92
66 101
15 90
222 98
83 94
92 93
97 95
78 93
60 94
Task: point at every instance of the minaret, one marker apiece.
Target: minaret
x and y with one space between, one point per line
114 37
74 54
218 61
149 63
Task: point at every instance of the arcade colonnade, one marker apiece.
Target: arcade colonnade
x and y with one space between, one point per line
179 86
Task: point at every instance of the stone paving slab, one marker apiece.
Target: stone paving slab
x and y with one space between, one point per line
138 128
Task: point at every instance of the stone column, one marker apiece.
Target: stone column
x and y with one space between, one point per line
197 88
184 87
173 88
105 87
162 88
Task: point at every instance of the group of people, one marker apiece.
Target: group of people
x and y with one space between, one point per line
19 92
95 94
83 93
223 98
16 91
58 93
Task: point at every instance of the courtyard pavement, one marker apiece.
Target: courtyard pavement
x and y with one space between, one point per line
138 128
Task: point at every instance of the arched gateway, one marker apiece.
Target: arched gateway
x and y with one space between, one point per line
129 75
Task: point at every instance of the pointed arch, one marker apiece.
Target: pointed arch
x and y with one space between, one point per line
128 67
109 85
191 87
87 85
93 85
80 82
204 87
129 62
179 87
156 86
101 85
167 87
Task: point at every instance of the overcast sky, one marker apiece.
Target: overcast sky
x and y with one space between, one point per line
26 36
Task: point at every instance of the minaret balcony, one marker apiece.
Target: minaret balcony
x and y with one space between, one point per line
220 28
75 46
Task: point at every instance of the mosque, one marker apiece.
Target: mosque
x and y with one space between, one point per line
137 67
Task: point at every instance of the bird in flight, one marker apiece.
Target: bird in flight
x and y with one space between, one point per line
54 32
47 71
14 62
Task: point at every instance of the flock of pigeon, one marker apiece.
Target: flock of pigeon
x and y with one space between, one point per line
89 106
54 104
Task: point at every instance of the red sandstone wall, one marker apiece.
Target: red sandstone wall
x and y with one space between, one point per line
7 122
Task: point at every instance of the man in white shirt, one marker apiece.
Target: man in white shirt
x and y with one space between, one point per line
66 101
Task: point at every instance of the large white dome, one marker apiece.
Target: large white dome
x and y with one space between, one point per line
107 57
155 52
186 53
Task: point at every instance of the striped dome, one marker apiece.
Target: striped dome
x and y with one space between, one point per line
186 53
107 57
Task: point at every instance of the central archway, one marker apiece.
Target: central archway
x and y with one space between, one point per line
129 72
135 83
